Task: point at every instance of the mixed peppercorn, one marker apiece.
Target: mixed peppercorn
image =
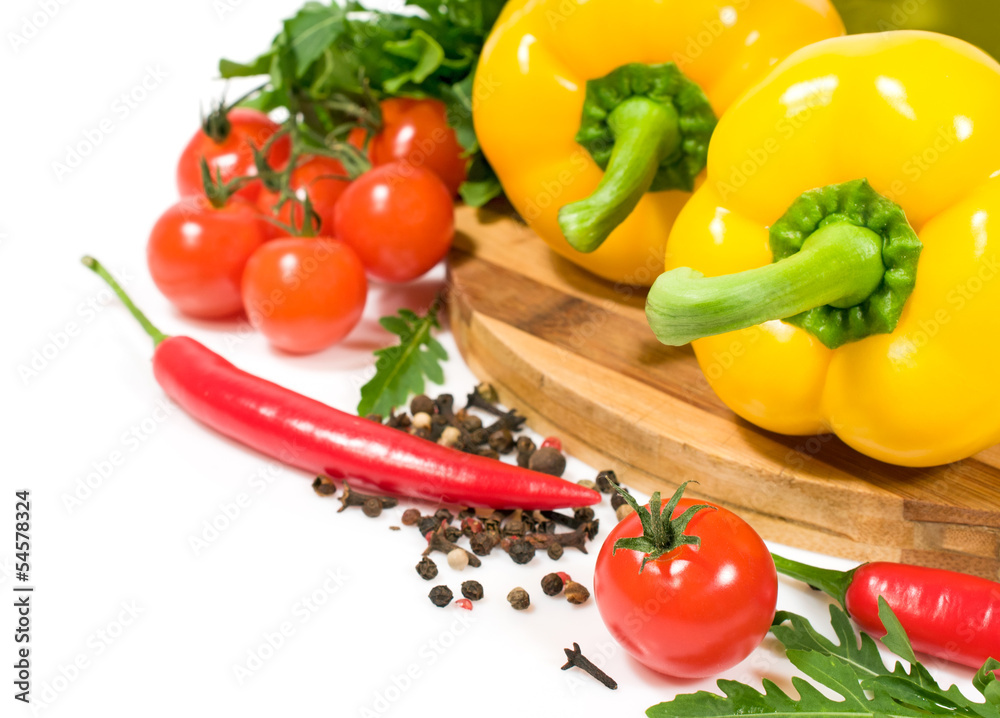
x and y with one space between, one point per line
519 533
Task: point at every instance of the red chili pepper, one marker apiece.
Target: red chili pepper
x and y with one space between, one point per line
947 614
309 435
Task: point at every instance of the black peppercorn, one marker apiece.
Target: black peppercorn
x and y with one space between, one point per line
482 543
552 584
502 441
444 515
427 524
452 533
427 569
440 596
605 482
618 500
548 460
410 517
555 551
525 448
518 599
472 590
521 551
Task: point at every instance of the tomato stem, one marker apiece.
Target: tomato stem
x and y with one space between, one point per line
103 273
661 532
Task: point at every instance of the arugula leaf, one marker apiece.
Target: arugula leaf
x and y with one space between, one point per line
853 671
312 29
401 370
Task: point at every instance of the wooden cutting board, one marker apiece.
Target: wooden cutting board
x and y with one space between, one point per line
575 355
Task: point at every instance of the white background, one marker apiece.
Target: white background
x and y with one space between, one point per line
158 625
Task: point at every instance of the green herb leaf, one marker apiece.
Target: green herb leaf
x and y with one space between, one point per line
423 50
313 28
401 370
326 53
854 672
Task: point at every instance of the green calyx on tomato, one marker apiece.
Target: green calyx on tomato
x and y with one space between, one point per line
660 533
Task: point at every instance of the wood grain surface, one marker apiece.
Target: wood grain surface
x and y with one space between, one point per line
575 355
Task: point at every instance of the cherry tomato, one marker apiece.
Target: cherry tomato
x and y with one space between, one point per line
417 131
196 254
304 293
694 611
313 177
232 156
399 218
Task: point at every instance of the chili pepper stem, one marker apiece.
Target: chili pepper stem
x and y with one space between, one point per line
646 132
103 273
832 583
839 264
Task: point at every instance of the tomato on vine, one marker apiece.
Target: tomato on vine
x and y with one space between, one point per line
197 251
400 219
417 132
689 592
304 293
322 179
226 142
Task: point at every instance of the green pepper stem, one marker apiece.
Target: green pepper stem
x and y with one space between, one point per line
104 274
832 583
646 132
839 264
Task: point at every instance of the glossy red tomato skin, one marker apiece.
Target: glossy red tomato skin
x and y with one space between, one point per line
233 156
417 132
313 176
196 255
304 293
694 612
400 220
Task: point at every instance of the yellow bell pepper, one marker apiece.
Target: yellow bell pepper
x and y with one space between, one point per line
829 338
685 60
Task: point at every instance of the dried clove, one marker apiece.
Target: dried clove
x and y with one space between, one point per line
519 599
570 522
472 590
576 659
324 486
484 397
452 533
398 421
377 418
445 406
356 498
438 542
440 596
427 569
507 420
